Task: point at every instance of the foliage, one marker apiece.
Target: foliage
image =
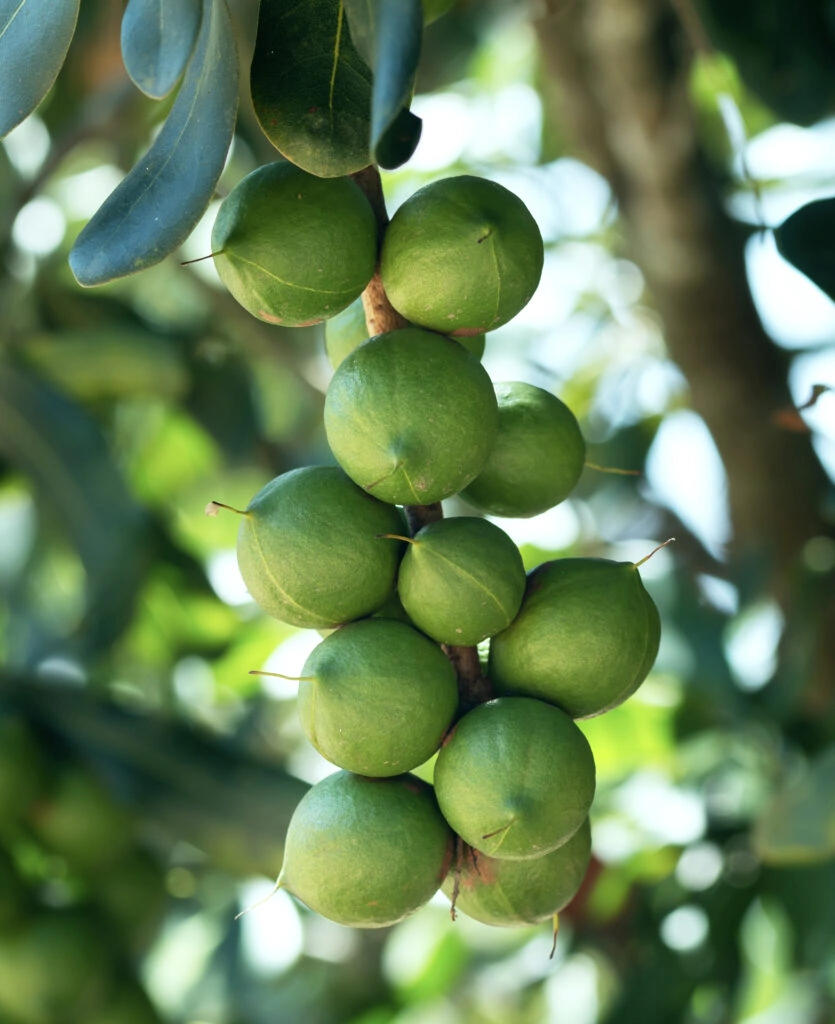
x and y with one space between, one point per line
126 407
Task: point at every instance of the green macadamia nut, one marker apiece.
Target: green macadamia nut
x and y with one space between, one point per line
411 416
366 852
376 697
537 458
294 248
309 552
462 255
461 580
585 637
515 778
511 893
344 332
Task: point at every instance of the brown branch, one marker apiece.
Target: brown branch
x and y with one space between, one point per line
473 686
418 516
380 315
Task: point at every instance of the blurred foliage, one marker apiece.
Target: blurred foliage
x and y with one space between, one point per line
146 778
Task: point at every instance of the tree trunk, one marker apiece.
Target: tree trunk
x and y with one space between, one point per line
620 70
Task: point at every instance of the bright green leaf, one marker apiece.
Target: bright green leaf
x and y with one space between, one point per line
110 362
158 37
161 200
53 443
34 38
630 737
805 240
310 87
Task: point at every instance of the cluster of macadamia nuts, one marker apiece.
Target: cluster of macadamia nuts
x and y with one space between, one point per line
412 418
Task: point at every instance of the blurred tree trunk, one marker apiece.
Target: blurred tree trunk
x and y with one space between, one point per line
620 71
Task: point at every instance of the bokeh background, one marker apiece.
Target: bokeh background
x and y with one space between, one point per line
146 778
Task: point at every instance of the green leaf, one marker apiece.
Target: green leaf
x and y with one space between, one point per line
399 141
198 786
161 200
784 52
158 37
311 89
109 362
53 443
389 38
397 39
799 825
805 240
362 18
34 38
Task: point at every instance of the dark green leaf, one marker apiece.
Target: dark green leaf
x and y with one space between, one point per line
399 141
784 52
221 399
53 443
799 825
805 240
158 204
34 38
397 39
389 38
310 87
158 37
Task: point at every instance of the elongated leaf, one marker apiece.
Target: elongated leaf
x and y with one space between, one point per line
399 141
158 204
310 87
158 37
805 240
200 787
390 35
34 38
52 442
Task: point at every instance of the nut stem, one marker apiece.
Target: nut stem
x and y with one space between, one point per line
658 547
380 317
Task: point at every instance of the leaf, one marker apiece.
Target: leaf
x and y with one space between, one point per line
389 38
783 50
109 362
158 37
799 825
34 38
399 141
805 240
362 17
200 787
311 89
52 442
398 35
161 200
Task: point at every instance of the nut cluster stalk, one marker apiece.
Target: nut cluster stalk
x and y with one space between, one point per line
380 316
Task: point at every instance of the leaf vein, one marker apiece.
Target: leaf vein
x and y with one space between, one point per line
19 8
